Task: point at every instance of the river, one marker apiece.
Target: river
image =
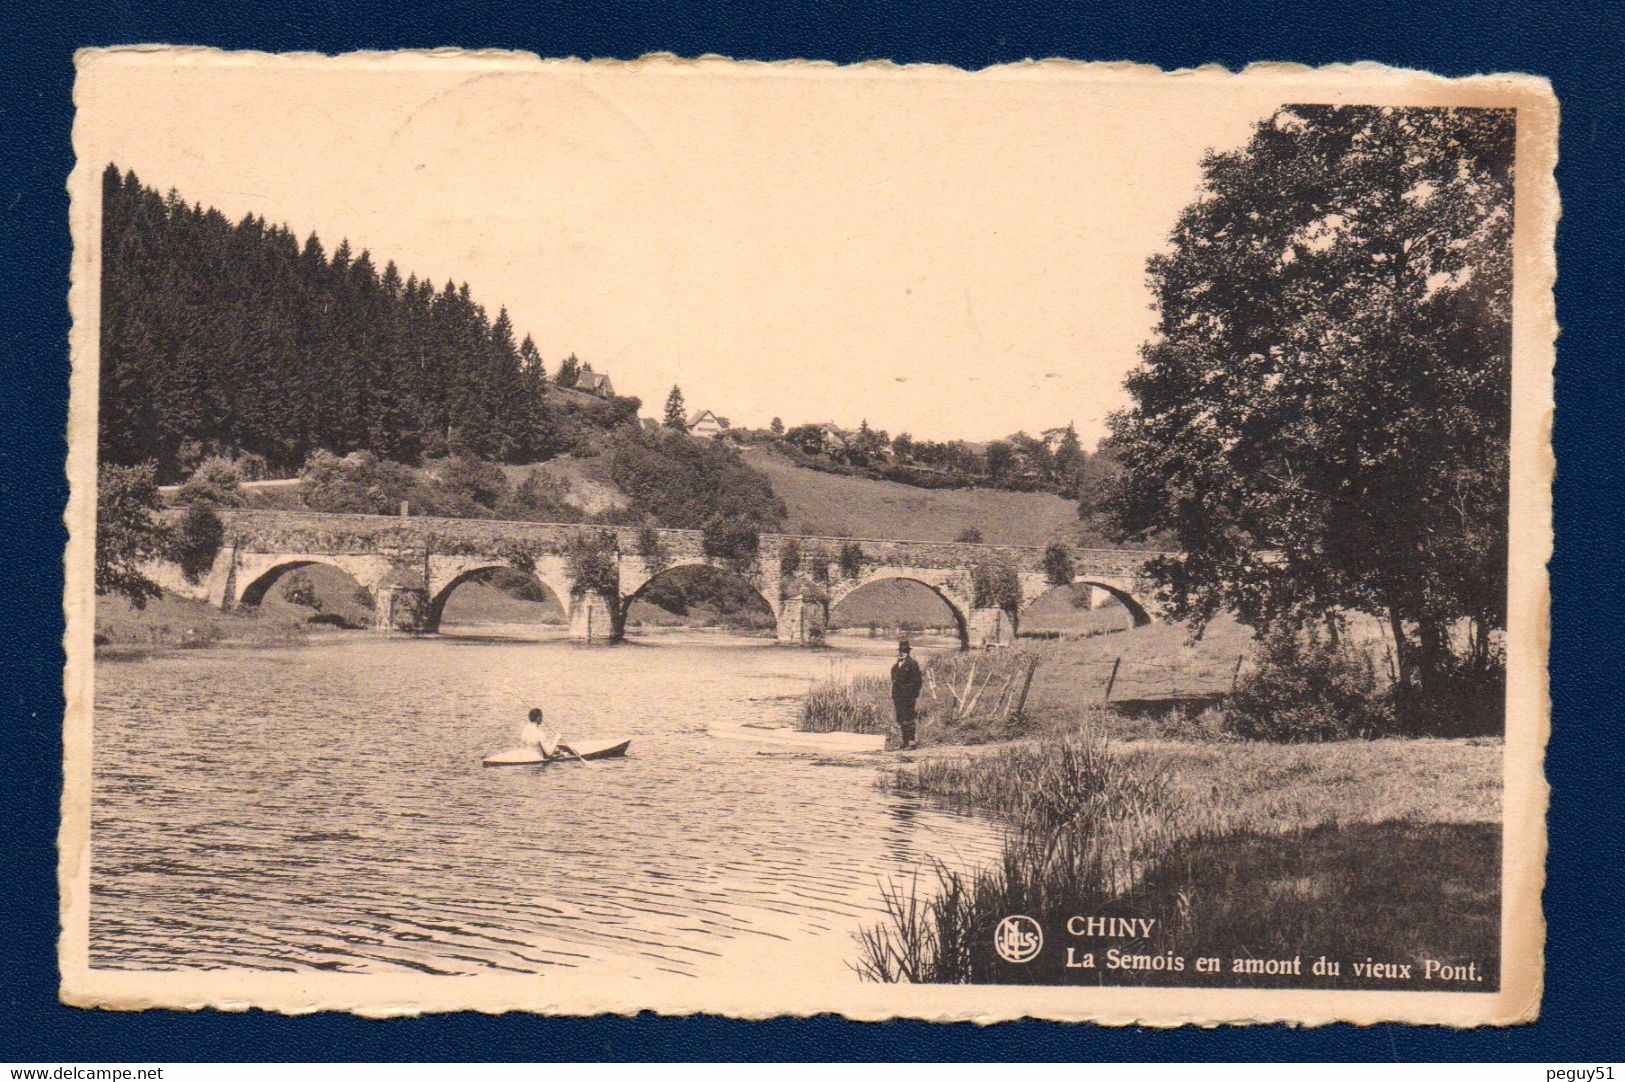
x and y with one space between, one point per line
324 808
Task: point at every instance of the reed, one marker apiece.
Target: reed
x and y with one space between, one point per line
1280 853
860 704
1087 826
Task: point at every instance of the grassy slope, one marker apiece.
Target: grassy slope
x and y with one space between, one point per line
838 506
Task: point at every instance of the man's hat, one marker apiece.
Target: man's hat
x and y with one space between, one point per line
902 645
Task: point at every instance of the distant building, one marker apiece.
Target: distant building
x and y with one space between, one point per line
835 439
595 383
707 424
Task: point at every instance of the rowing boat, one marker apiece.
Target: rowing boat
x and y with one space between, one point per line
587 747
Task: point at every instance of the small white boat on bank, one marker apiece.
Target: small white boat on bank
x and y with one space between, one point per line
778 736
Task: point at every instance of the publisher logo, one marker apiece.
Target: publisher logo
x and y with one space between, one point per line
1018 939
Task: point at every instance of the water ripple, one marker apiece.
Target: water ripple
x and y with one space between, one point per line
324 809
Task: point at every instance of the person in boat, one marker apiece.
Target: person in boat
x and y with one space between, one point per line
543 736
906 681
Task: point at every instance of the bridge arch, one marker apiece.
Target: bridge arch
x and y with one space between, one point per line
1136 609
940 585
437 603
262 583
769 603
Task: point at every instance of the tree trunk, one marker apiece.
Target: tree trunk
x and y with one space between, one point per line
1402 648
1434 648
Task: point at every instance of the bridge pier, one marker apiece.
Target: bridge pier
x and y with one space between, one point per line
801 619
400 608
991 627
592 619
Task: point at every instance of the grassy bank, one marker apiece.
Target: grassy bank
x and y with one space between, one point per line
1162 683
1253 861
1266 858
830 504
178 622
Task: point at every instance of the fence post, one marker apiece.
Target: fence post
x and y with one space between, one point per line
1021 704
1110 680
1236 675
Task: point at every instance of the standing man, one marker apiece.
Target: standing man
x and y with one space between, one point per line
905 689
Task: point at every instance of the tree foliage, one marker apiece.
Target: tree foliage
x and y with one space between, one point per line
1321 422
733 541
851 560
1058 566
592 565
196 541
128 532
676 412
653 550
687 483
239 340
789 558
996 584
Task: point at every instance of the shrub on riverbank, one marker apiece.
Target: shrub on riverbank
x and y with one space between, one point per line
1306 687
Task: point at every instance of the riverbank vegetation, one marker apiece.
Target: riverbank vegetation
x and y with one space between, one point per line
168 621
1264 853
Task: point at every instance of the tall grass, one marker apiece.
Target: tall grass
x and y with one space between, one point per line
1087 826
859 704
1094 833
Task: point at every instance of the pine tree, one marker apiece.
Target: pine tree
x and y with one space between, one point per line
676 413
222 338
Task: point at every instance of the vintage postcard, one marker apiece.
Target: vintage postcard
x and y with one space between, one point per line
1063 540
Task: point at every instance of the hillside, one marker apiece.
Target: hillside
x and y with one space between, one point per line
840 506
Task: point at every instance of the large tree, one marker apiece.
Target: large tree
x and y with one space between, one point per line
1321 421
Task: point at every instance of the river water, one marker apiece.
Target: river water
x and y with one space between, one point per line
324 807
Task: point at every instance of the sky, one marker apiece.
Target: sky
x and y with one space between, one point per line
950 255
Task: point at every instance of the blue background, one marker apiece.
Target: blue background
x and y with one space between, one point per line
1577 45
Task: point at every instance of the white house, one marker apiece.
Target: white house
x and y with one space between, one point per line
707 424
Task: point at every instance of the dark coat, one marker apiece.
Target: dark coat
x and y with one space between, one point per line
906 680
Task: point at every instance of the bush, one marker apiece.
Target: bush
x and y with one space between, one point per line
1058 567
540 497
970 535
851 560
360 484
789 558
196 541
1306 687
996 584
215 483
470 487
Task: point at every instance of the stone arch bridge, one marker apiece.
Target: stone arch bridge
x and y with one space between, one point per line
410 566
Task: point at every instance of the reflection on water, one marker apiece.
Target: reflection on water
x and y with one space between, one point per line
325 808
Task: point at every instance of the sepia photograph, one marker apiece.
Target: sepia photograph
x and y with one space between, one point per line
1061 540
